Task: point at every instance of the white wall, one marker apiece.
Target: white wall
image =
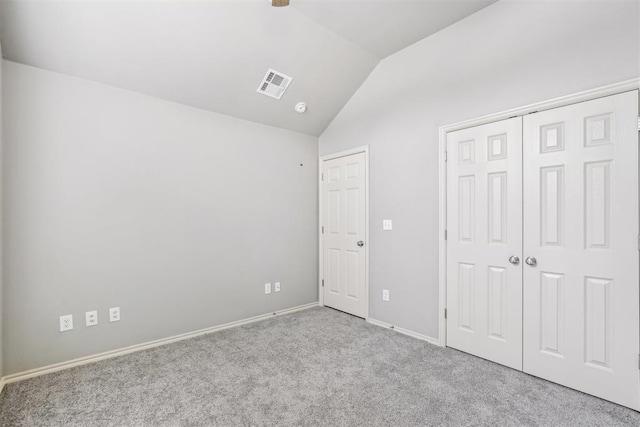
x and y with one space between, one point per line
510 54
176 215
1 226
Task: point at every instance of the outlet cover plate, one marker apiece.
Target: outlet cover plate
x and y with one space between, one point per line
91 318
267 288
66 323
385 295
114 314
387 224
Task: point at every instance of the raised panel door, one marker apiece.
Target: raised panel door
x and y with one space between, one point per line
343 218
484 217
581 298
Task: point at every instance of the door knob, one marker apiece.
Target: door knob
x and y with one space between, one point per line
514 260
531 261
361 243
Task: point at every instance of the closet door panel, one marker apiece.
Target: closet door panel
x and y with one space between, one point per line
484 217
581 298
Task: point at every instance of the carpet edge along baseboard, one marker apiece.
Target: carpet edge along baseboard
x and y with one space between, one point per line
143 346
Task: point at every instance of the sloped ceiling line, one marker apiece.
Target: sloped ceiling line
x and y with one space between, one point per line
212 54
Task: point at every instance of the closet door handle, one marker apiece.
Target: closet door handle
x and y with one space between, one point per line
531 261
514 260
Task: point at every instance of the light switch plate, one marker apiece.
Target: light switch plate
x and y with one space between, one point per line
276 287
267 288
387 224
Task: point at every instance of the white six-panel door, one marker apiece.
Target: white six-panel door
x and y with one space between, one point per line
343 239
581 299
567 206
484 217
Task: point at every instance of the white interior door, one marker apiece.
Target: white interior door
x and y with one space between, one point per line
484 227
581 300
344 231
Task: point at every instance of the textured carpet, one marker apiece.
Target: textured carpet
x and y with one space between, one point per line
315 367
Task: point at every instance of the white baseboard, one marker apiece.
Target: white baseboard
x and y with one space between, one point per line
144 346
430 340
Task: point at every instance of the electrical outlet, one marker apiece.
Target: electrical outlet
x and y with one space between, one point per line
385 295
114 314
387 224
91 318
267 288
276 287
66 323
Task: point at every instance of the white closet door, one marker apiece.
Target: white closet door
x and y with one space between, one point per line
581 300
484 223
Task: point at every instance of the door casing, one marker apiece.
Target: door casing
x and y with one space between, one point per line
362 149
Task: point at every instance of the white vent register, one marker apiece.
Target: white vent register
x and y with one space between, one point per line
274 84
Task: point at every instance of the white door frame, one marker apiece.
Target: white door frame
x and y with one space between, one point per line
562 101
363 149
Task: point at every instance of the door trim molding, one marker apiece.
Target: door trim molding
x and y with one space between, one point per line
362 149
613 89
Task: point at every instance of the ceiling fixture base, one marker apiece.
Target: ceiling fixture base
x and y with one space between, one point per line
301 107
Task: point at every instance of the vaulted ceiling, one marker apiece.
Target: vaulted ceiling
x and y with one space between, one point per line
212 54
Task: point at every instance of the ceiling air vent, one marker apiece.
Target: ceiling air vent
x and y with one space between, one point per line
274 84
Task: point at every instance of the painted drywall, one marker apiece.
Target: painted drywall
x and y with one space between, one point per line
511 54
213 54
176 215
1 224
207 54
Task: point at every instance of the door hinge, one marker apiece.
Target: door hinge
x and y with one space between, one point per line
638 123
445 156
321 177
323 283
445 313
323 229
639 243
445 234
